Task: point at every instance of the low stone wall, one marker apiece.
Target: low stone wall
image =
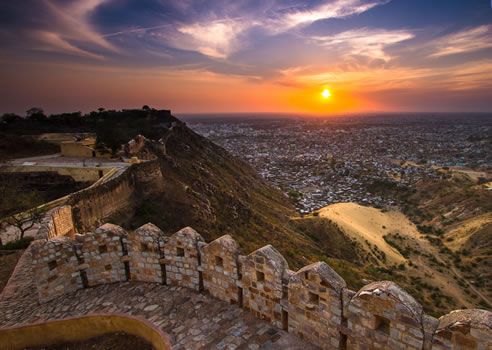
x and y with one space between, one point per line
312 303
79 329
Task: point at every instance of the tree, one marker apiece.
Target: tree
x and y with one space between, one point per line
19 208
36 114
146 108
10 118
109 136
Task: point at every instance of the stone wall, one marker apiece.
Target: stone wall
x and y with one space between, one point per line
312 303
62 222
219 266
464 329
94 205
315 305
104 254
263 273
146 256
55 267
182 259
383 314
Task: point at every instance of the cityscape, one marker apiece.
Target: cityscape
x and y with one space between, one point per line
318 162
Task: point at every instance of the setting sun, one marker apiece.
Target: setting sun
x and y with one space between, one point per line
326 93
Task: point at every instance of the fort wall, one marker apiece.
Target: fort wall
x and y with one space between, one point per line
312 303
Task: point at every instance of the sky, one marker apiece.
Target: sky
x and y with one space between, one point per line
278 56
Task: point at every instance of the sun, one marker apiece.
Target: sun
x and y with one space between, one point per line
326 93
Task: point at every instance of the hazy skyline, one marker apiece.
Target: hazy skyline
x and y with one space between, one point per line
247 56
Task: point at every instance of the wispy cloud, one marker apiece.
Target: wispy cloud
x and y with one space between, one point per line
456 78
365 41
334 9
68 26
468 40
54 42
220 37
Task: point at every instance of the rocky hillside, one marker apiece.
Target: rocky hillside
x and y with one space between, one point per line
207 188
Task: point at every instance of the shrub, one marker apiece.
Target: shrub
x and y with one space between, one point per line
18 244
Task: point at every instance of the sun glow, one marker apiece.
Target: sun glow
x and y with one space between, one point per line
326 93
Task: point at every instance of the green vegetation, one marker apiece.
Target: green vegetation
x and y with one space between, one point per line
22 243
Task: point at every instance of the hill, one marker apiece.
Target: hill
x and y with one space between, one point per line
207 188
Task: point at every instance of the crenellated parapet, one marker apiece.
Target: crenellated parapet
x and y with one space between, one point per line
263 274
182 259
464 329
315 305
382 313
146 252
312 303
56 266
103 253
220 269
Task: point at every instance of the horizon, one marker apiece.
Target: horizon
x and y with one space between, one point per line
316 58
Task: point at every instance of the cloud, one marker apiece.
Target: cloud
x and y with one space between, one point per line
364 42
333 9
219 37
465 41
216 39
54 42
72 22
459 77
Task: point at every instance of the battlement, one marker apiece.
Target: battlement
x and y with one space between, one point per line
312 303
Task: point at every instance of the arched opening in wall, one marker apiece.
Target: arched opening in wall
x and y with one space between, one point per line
103 249
382 324
93 154
180 252
100 173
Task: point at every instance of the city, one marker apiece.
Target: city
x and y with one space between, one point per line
318 162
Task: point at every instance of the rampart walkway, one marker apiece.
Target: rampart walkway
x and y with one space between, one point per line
192 320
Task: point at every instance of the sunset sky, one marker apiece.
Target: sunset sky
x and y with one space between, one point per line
246 55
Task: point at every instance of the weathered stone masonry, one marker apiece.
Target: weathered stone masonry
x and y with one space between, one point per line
312 303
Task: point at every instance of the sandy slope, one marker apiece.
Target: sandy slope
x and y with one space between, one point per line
371 224
462 232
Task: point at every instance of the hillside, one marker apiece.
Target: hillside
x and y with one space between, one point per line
389 246
430 254
208 189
